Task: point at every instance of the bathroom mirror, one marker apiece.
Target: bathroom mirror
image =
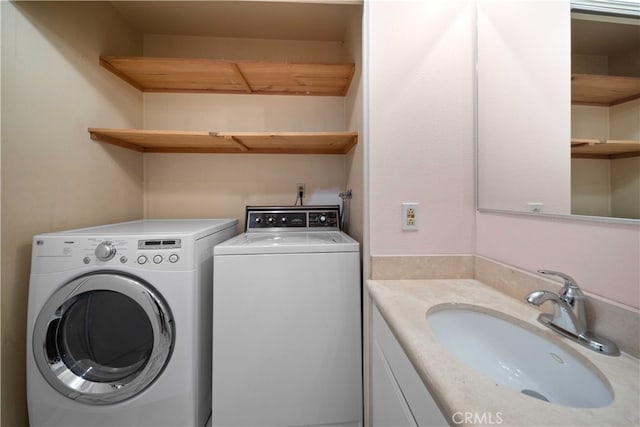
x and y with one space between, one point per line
558 108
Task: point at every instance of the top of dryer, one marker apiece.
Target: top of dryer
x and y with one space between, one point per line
197 228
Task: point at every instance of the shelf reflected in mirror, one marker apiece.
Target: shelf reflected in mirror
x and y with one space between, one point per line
558 111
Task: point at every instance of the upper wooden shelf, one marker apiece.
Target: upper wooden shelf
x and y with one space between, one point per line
604 149
241 77
162 141
590 89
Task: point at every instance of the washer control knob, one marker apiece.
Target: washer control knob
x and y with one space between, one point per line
258 220
323 219
173 258
271 220
105 251
157 259
142 259
283 220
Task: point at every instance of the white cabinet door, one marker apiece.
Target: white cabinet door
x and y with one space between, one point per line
400 398
389 406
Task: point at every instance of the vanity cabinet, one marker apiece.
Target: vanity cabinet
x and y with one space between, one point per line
399 397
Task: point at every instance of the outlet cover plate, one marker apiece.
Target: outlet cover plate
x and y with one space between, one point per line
410 215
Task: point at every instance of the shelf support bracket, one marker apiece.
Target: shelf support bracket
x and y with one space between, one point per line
239 143
96 136
240 77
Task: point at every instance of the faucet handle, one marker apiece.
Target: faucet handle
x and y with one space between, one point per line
569 282
571 290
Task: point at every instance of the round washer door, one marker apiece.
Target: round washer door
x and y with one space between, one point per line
103 338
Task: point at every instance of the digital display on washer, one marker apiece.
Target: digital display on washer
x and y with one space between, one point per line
159 244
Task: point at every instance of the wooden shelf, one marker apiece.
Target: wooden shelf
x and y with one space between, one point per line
589 89
603 149
162 141
240 77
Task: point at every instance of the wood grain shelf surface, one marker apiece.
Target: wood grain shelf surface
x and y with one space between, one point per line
150 74
163 141
589 89
603 149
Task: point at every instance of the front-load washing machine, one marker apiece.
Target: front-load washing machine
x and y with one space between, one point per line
286 321
119 324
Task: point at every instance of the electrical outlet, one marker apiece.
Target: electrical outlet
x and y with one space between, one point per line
410 213
300 189
535 207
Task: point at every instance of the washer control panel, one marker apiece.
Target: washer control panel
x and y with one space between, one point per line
292 218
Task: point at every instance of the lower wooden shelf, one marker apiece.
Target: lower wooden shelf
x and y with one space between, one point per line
588 89
163 141
603 149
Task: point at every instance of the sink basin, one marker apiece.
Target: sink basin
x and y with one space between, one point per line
512 354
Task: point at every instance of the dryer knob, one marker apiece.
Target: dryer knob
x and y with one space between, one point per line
105 251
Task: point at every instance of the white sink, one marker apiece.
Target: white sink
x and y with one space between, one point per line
513 354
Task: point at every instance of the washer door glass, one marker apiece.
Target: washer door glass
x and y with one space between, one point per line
103 338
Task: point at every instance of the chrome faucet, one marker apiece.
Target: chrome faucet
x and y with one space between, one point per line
569 318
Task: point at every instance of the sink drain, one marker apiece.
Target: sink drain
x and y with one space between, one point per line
534 394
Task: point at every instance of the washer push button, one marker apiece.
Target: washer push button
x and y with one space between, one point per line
173 258
157 259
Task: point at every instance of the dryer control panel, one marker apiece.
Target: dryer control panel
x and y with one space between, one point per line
160 250
166 253
292 218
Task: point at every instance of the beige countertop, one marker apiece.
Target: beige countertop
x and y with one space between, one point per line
458 388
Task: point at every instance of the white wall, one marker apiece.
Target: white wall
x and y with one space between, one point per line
604 187
624 121
53 176
591 187
0 204
243 48
602 257
625 188
421 126
220 186
625 63
589 122
523 105
354 122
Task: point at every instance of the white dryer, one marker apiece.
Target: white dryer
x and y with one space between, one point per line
119 324
287 321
